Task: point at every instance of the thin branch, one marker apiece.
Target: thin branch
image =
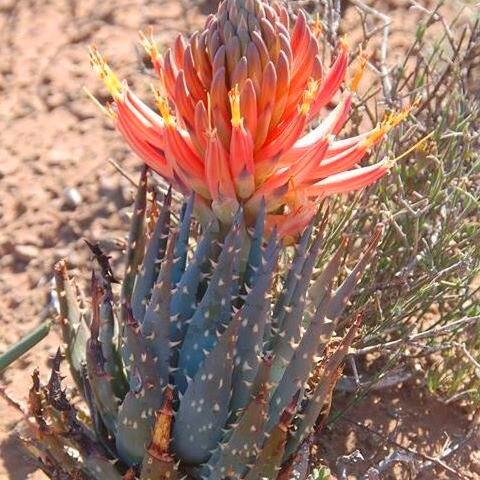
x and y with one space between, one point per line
122 172
428 460
389 380
430 333
384 71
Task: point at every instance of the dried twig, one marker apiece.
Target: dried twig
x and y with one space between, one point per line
384 70
389 380
424 461
123 172
397 456
469 356
430 333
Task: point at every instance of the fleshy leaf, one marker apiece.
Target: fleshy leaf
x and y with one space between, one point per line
343 293
158 464
298 369
74 328
108 325
211 315
136 239
181 246
105 399
204 408
147 276
269 460
254 315
288 337
156 324
184 298
136 414
255 255
314 405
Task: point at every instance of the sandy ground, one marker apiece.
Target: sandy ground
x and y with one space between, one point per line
57 187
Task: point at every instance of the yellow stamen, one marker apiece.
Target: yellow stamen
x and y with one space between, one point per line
395 118
390 121
357 76
234 97
163 107
309 96
317 27
106 109
148 43
415 147
105 73
375 136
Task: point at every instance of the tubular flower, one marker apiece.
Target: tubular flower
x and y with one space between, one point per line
235 103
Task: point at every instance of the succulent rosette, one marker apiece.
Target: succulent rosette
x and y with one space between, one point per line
236 101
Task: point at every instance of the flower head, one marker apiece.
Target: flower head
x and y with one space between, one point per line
235 102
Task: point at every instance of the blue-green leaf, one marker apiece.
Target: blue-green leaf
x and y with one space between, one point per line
204 408
254 315
136 239
315 402
156 324
181 245
212 313
151 262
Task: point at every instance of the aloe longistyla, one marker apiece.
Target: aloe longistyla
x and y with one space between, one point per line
215 375
235 102
217 358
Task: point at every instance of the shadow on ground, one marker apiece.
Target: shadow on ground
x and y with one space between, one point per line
18 465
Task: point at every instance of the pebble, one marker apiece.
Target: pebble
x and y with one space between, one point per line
6 261
59 156
73 198
26 253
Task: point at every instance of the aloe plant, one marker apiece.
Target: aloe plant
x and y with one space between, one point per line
218 355
199 368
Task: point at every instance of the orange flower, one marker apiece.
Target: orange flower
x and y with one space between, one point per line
235 102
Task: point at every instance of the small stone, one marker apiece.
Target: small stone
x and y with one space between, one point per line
34 277
108 185
59 156
7 5
26 253
73 198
